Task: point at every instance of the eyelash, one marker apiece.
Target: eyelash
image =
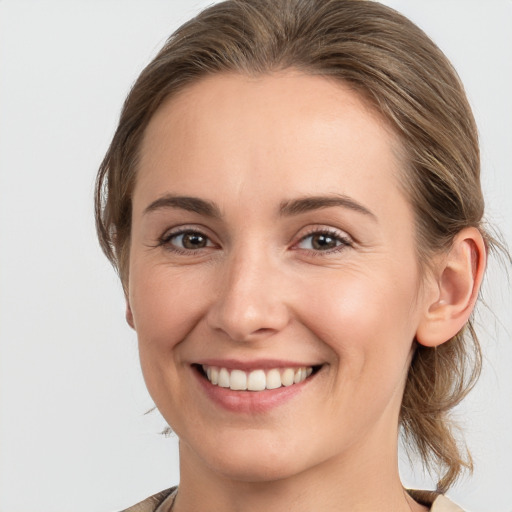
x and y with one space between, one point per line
166 238
344 240
338 236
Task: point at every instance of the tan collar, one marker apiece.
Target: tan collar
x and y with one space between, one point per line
435 501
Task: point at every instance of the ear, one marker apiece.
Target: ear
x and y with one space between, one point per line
129 315
454 290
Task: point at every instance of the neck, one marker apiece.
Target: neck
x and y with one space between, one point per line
360 481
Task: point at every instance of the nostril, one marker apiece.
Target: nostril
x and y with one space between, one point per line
263 330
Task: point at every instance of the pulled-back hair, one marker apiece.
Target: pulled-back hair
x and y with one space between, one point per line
404 76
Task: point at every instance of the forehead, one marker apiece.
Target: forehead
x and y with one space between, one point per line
256 135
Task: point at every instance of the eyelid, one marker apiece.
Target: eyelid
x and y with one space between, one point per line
165 239
343 236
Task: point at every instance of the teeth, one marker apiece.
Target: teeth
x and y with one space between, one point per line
273 380
287 377
224 379
256 380
238 380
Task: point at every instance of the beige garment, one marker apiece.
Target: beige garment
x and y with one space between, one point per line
162 502
442 504
436 502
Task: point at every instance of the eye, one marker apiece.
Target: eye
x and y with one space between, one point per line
185 241
324 241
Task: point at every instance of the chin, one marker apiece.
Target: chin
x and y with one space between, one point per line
255 471
249 461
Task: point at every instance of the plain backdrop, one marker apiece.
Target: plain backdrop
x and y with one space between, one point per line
73 433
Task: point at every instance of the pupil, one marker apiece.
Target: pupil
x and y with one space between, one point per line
323 242
193 241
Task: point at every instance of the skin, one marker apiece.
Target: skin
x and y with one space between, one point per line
260 289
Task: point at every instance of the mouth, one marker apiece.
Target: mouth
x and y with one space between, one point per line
257 379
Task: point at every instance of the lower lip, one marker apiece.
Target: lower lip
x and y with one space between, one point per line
250 401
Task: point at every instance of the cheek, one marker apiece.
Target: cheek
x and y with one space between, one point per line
166 304
368 322
363 304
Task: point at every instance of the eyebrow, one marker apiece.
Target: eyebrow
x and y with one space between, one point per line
191 204
307 204
287 208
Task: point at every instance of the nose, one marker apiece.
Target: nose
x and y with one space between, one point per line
251 301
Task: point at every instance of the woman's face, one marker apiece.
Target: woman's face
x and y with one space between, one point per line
271 244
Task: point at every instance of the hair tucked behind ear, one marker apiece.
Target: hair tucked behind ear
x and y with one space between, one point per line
405 77
439 378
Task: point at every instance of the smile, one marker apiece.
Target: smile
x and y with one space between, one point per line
256 380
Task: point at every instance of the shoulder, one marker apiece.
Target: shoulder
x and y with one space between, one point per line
437 502
156 503
443 504
164 498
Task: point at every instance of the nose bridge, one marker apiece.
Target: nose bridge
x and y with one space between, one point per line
251 301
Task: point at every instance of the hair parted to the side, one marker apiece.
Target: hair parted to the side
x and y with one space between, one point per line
406 78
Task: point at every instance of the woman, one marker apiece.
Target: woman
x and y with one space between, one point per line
292 201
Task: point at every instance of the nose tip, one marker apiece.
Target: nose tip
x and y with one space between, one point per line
250 305
247 318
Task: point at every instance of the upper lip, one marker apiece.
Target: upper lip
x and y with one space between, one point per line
254 364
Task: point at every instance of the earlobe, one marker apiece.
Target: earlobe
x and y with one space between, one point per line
459 276
129 315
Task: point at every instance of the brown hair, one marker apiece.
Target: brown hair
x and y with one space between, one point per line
403 74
